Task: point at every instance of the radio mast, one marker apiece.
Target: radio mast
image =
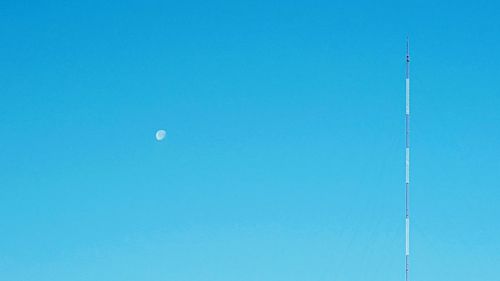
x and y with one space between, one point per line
407 181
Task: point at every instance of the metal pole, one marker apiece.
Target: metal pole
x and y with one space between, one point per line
407 181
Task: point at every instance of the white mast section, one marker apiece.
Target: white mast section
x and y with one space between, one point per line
407 181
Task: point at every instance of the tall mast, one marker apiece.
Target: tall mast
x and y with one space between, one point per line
407 181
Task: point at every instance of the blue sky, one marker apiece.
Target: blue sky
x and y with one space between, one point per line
284 158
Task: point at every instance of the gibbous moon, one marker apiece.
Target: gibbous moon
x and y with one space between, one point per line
160 135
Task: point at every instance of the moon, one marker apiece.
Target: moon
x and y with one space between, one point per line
160 135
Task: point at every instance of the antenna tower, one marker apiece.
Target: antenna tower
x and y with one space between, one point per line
407 181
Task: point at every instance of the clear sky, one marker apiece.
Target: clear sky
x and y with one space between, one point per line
284 156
